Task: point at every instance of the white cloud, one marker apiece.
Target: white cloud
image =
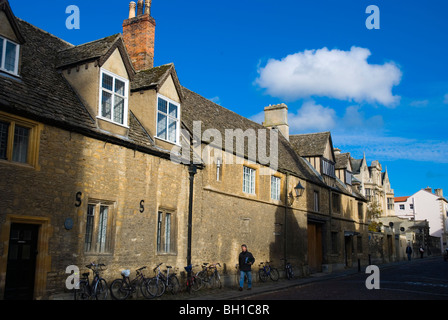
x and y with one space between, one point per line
344 75
312 117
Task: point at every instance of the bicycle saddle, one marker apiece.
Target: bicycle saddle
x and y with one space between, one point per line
168 267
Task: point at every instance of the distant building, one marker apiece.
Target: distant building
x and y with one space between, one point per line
374 184
424 204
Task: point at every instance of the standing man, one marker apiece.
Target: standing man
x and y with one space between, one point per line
409 251
246 260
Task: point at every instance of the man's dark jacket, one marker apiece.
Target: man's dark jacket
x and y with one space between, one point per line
244 259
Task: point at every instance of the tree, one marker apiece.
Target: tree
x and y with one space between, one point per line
374 211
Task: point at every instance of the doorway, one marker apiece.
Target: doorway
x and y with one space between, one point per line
21 264
315 247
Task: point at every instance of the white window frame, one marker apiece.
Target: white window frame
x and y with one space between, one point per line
3 59
248 180
168 100
126 98
275 188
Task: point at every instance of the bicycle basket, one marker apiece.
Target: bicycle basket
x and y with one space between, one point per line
126 273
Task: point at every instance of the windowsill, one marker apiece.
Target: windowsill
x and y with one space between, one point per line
112 122
167 141
18 164
102 254
10 75
166 253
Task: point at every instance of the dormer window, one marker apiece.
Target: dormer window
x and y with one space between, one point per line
9 56
113 98
168 112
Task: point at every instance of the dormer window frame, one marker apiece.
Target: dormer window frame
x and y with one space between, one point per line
4 42
113 94
167 116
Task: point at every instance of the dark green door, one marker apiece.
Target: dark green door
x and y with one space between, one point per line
21 268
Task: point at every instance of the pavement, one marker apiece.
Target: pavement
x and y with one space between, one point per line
232 293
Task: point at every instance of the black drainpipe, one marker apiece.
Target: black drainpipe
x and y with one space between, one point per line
192 171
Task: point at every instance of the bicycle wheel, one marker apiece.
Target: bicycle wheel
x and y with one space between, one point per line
119 289
216 281
196 284
274 274
100 290
155 287
173 284
82 293
262 275
144 289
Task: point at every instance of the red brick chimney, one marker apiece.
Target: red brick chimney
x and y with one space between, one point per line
139 34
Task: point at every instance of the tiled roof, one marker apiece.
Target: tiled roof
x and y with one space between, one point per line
400 199
310 145
214 116
342 160
41 92
98 50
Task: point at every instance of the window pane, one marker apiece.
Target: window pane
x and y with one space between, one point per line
162 105
10 56
248 180
102 228
89 227
161 126
159 230
106 103
168 232
20 148
173 111
107 82
172 125
1 51
118 109
275 188
4 128
119 87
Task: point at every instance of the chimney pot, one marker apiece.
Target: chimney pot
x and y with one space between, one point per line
148 7
139 7
132 10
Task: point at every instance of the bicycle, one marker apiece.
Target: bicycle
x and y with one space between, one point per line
122 288
161 283
97 289
288 270
266 271
210 275
194 283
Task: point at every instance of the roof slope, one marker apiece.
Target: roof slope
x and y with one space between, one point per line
310 145
214 116
41 92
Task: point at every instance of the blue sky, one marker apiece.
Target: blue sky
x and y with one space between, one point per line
382 91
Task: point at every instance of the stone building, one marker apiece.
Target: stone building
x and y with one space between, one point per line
97 148
374 184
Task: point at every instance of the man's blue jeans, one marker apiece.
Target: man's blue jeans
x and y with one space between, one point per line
249 278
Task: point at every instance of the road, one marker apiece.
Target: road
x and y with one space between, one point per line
425 279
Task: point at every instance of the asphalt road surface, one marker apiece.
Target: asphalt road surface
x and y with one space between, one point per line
425 279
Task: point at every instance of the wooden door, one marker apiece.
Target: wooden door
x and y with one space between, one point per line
21 265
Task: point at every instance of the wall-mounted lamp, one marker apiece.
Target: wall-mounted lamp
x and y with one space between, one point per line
298 192
299 189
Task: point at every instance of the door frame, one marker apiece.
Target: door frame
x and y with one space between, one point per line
43 260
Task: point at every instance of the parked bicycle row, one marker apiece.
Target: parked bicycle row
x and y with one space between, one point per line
150 287
206 275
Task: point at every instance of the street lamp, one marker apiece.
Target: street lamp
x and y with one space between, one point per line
299 189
